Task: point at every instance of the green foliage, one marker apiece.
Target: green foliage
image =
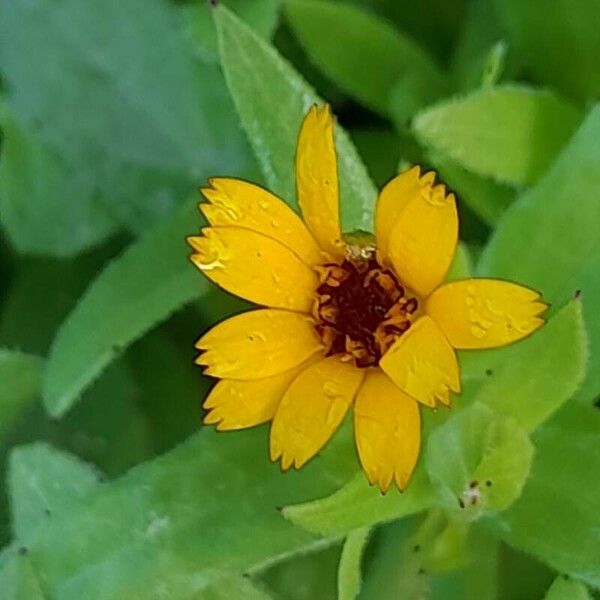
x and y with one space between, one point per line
558 41
111 114
509 133
46 206
172 517
272 118
359 505
21 376
228 586
142 287
485 197
150 120
304 576
555 519
261 15
478 462
550 367
566 589
349 576
395 569
479 47
548 239
135 100
365 55
45 483
18 578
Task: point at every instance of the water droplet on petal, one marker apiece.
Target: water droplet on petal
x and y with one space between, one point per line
231 212
335 411
256 336
477 331
330 390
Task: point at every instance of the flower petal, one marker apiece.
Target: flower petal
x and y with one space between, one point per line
424 237
392 199
254 267
485 313
387 428
238 203
239 404
257 344
317 179
312 409
422 363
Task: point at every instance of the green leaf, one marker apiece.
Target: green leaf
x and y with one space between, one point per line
272 100
520 575
478 461
21 377
433 23
135 100
33 305
161 368
485 197
556 519
169 527
364 54
151 120
349 577
510 133
109 427
567 589
380 149
17 578
444 542
45 483
227 587
46 205
479 46
476 576
545 243
142 287
549 366
494 64
395 569
462 263
140 197
304 576
261 15
359 505
557 41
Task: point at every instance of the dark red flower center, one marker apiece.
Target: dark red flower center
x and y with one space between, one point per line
361 309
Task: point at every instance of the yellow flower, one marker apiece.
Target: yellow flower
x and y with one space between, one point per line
363 321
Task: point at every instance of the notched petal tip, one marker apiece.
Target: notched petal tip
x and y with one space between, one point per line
420 236
236 203
423 364
320 112
211 418
193 240
387 429
428 179
485 313
284 460
401 482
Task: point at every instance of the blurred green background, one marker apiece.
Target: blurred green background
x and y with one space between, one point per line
112 114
